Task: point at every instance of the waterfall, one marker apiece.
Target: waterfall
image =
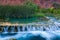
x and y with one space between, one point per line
47 30
28 27
50 27
18 28
6 29
12 29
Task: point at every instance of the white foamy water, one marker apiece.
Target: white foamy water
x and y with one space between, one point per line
44 34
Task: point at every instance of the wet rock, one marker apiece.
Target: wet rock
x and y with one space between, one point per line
12 39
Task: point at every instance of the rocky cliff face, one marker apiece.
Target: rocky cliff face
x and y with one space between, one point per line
11 2
46 3
41 3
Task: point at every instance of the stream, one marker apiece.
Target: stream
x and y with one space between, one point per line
49 30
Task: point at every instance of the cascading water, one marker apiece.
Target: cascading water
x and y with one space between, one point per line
18 29
43 31
12 29
6 29
52 27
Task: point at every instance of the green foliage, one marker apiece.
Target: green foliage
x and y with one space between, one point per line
57 11
39 15
32 5
25 11
29 9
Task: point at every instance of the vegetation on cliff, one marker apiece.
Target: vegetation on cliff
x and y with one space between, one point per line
28 10
24 11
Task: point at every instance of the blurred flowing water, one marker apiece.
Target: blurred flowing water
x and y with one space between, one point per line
49 30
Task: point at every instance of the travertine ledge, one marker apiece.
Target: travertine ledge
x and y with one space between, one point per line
16 24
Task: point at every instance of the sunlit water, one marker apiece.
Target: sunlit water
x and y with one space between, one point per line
49 30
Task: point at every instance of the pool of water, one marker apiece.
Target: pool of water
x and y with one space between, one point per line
24 20
33 35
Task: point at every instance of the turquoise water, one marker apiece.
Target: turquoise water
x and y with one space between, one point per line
35 35
23 20
27 20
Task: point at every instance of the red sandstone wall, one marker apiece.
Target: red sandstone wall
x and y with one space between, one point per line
11 2
41 3
44 3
